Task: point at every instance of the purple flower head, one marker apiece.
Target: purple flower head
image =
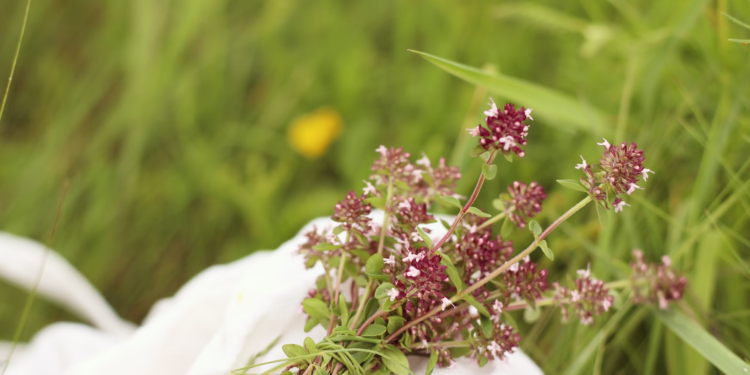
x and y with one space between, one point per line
622 165
589 298
479 252
436 180
656 282
504 341
352 211
525 202
618 171
392 164
523 281
412 214
505 129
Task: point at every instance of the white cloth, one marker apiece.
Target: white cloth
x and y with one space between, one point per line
213 325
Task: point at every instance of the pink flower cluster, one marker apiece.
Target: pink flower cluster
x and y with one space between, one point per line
656 282
589 298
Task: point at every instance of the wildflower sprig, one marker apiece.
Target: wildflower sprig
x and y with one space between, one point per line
413 292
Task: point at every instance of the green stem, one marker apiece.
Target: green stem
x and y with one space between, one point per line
492 220
466 207
354 338
13 66
445 344
618 284
381 245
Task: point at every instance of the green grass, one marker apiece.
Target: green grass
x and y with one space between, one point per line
170 120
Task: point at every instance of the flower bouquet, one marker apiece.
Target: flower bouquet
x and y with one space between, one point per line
393 289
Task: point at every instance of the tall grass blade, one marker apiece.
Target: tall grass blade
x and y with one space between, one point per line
705 344
548 104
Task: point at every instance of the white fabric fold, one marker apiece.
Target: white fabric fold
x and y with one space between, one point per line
217 322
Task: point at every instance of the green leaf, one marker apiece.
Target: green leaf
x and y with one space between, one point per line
499 205
377 202
482 361
321 371
326 247
601 213
310 324
531 315
703 342
547 250
445 224
486 326
473 301
452 271
361 357
395 360
507 229
294 350
373 330
535 228
338 230
478 212
573 185
316 308
508 156
344 310
382 291
477 150
361 238
310 345
427 240
395 323
361 254
485 155
554 106
402 185
489 171
431 363
451 201
375 264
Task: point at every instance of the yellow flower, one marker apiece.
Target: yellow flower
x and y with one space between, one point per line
311 134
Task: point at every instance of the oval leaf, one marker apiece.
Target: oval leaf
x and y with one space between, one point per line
294 350
395 323
535 228
451 201
316 308
473 301
431 363
395 360
478 212
427 240
572 185
373 330
382 291
507 229
489 171
547 250
375 264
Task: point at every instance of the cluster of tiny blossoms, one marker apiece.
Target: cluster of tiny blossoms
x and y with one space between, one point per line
416 291
616 173
589 297
656 282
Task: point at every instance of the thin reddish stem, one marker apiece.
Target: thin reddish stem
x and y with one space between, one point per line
466 207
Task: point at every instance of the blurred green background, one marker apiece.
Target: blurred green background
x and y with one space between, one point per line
171 118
